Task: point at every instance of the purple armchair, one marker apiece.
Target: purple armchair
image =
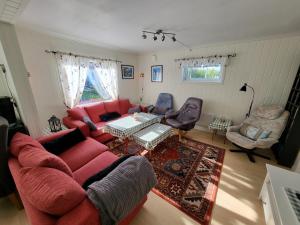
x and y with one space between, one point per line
186 118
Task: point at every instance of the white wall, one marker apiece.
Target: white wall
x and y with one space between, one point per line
269 66
12 58
44 78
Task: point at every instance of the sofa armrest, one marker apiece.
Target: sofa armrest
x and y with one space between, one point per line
265 143
234 128
83 214
51 137
70 123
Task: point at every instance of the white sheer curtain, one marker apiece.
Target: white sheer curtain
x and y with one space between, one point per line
72 73
107 74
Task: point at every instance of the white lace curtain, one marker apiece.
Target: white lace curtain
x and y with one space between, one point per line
73 73
205 61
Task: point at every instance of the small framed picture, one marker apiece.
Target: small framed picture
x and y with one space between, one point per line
127 72
157 73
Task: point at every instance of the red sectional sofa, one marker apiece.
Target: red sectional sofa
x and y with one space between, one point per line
50 186
75 117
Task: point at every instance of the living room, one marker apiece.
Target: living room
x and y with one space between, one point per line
126 63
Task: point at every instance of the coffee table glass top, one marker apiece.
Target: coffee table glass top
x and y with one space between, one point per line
127 126
151 136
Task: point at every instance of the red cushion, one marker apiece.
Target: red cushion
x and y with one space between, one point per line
124 105
82 153
37 157
19 141
94 166
112 106
77 113
50 190
94 111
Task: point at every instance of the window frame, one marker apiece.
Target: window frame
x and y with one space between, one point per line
189 80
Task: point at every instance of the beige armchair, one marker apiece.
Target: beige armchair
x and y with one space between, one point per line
269 118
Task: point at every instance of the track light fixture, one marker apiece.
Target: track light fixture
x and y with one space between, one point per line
164 35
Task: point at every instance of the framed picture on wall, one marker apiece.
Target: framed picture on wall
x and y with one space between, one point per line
127 72
157 73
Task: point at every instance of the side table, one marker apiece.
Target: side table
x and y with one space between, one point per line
219 124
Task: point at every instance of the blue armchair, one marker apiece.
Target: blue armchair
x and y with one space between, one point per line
163 105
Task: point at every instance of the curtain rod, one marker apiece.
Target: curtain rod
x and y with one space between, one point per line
205 57
83 56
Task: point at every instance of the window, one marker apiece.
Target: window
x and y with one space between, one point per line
203 73
94 88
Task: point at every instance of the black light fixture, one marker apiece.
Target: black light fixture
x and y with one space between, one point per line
244 88
144 36
164 36
54 124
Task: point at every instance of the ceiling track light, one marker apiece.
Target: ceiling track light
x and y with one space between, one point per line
164 35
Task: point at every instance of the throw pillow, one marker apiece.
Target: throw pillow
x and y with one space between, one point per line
36 157
135 109
90 123
109 116
77 113
103 173
19 141
95 110
61 144
249 131
50 190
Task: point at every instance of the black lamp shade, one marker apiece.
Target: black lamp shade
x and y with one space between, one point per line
244 87
54 124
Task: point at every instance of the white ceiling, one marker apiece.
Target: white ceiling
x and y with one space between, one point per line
118 23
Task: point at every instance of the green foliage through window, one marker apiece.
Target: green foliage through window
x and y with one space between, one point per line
203 73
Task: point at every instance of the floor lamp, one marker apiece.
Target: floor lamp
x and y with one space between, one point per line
244 88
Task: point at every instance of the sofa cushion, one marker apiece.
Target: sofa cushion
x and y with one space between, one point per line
99 130
63 143
124 105
94 166
94 111
103 173
270 112
50 190
37 157
82 153
112 106
19 141
77 113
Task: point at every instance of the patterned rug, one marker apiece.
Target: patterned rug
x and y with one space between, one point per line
188 173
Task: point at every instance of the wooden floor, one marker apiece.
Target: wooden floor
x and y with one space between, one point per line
237 200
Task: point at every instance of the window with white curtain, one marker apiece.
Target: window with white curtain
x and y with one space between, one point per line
204 69
86 80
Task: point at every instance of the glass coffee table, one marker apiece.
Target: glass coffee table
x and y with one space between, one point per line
124 128
151 136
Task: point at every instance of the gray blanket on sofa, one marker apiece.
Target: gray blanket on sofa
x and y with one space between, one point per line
117 194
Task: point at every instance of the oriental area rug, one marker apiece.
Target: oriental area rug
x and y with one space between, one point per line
188 173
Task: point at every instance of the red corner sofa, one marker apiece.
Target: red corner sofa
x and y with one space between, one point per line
50 185
93 111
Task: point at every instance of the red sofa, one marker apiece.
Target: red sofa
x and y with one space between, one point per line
76 114
50 186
